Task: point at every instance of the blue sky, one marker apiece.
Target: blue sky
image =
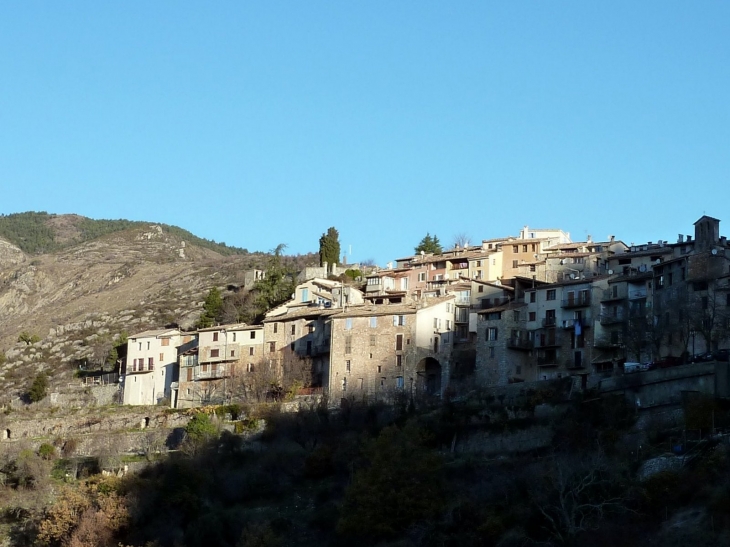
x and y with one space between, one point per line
263 123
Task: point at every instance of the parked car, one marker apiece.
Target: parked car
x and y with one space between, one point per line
630 367
703 358
722 355
666 362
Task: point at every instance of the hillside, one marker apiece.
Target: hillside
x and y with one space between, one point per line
40 232
90 288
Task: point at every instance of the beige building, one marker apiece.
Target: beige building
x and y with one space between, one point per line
209 368
150 367
382 350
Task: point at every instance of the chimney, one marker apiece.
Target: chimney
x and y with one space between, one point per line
611 239
680 238
689 238
588 239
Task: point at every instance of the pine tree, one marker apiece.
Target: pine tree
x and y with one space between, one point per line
213 308
329 247
429 245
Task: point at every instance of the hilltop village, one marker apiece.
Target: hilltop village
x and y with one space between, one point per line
532 307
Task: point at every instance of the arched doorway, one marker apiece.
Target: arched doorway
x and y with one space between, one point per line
429 376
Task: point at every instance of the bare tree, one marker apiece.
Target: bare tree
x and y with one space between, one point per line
461 240
574 494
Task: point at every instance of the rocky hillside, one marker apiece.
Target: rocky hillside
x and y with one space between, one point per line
78 298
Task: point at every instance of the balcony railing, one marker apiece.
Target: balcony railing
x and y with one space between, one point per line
580 301
549 322
610 294
585 322
210 374
515 342
548 342
547 362
611 319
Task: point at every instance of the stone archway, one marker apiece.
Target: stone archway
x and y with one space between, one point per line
428 371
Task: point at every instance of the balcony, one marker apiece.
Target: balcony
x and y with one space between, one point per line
611 318
580 301
611 295
585 322
548 361
140 366
548 342
210 373
516 342
549 322
486 303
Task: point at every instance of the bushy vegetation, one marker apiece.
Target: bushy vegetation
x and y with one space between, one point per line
39 388
32 233
378 475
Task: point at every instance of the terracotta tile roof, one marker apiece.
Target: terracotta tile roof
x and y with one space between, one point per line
370 310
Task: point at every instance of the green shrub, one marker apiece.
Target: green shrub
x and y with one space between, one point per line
39 388
47 451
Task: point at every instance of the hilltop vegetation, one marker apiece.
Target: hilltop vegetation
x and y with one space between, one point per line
38 233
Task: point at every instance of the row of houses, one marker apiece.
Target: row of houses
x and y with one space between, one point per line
533 307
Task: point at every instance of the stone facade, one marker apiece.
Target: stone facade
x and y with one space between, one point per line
378 351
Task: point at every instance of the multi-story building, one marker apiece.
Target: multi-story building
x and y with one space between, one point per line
150 367
209 370
379 350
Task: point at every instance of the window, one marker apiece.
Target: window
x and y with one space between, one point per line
515 263
162 357
348 323
515 248
310 328
347 365
215 337
344 384
373 322
293 330
532 267
233 353
272 347
491 352
551 294
148 345
479 263
373 340
481 288
250 367
348 344
448 324
214 352
399 320
250 351
398 360
252 336
533 296
165 342
305 295
422 276
276 328
140 346
524 248
492 334
398 342
150 363
382 382
399 382
380 369
532 315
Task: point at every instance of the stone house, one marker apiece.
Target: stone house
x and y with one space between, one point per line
150 367
209 370
380 350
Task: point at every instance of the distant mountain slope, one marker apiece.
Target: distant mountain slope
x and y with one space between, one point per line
38 233
77 284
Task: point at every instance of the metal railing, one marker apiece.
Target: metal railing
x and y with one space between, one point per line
582 300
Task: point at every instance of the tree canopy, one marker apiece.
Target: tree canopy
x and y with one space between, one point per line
212 308
329 247
429 245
